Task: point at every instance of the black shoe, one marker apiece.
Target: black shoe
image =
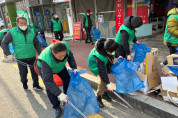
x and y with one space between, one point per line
37 88
25 86
87 42
106 97
100 103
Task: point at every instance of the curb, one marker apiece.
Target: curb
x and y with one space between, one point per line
143 103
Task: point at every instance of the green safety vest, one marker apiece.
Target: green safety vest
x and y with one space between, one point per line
56 25
168 37
2 35
34 28
23 49
46 56
92 61
129 31
86 20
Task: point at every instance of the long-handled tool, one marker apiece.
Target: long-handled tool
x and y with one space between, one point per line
122 99
77 109
23 63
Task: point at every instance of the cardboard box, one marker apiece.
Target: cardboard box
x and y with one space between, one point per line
172 59
151 61
169 89
173 95
152 80
167 72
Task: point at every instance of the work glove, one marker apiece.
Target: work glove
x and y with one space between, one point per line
129 58
63 97
10 57
120 57
84 29
75 71
137 42
109 87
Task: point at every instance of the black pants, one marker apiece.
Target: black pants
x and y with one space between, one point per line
64 75
23 71
57 34
172 50
120 52
88 35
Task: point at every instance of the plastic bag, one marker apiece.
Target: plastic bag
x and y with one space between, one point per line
127 80
140 52
41 40
96 33
176 49
11 49
174 69
82 96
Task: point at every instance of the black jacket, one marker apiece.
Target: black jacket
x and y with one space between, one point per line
125 35
52 25
89 22
8 38
47 74
104 71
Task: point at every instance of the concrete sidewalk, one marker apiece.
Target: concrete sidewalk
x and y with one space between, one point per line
146 104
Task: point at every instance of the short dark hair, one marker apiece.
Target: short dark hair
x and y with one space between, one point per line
110 45
58 47
53 14
18 18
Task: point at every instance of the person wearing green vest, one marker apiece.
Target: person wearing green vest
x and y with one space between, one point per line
2 34
126 34
56 27
51 61
100 61
25 45
87 25
171 32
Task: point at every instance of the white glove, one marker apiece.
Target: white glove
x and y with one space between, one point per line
129 58
137 42
109 87
120 57
63 97
75 71
10 57
84 29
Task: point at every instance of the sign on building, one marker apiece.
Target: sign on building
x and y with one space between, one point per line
118 13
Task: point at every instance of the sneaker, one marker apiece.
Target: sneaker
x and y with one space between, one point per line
106 97
58 112
37 88
100 103
25 86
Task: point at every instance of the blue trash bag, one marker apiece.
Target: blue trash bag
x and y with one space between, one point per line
96 33
140 52
41 40
174 69
127 80
176 49
81 95
11 49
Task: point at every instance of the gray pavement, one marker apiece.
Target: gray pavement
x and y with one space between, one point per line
18 103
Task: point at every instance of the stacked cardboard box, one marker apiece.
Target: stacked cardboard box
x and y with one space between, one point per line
167 93
149 72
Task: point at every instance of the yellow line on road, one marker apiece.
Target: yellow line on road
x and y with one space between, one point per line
29 75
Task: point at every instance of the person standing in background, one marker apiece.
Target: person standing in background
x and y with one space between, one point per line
87 25
56 27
